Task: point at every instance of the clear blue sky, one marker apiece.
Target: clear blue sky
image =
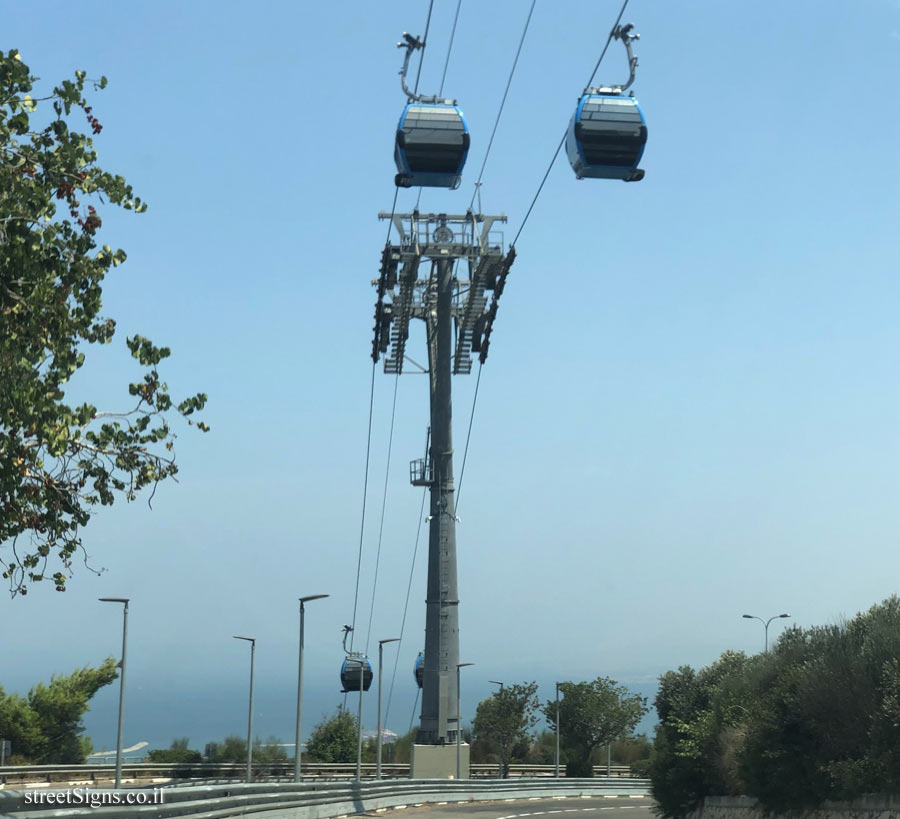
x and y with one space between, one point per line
690 407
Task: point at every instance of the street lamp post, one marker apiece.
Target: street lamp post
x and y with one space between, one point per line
378 739
297 752
556 757
765 623
459 723
499 742
123 600
252 641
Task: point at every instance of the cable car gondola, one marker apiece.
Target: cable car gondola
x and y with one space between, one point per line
607 132
419 669
350 673
432 141
356 670
431 146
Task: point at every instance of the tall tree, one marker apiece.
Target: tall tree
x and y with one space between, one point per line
57 462
334 739
592 714
45 726
232 749
505 721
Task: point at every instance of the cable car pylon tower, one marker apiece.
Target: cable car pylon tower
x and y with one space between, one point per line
419 280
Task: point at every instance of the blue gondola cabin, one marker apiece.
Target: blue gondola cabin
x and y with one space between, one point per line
431 146
606 138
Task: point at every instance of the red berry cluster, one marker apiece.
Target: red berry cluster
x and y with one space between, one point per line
64 189
96 127
92 222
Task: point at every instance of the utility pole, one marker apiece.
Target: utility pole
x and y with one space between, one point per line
439 244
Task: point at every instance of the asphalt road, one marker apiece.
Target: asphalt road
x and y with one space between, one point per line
559 808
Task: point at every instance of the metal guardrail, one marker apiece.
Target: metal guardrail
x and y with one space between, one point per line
146 773
321 800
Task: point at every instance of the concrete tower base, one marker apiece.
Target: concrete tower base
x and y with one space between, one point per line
438 761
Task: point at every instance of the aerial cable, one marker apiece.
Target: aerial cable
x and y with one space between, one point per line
406 604
390 224
387 471
540 188
559 147
477 194
608 41
419 70
424 43
503 101
450 47
362 525
412 716
462 470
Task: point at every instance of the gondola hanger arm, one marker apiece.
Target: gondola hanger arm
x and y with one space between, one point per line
412 44
347 630
623 33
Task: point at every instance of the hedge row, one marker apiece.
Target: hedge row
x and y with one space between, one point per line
816 718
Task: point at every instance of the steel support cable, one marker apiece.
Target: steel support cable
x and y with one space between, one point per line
512 71
406 604
462 470
362 525
608 41
387 471
487 153
424 43
391 220
559 147
419 69
450 47
412 717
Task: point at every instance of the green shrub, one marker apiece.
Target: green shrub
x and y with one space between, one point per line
580 768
